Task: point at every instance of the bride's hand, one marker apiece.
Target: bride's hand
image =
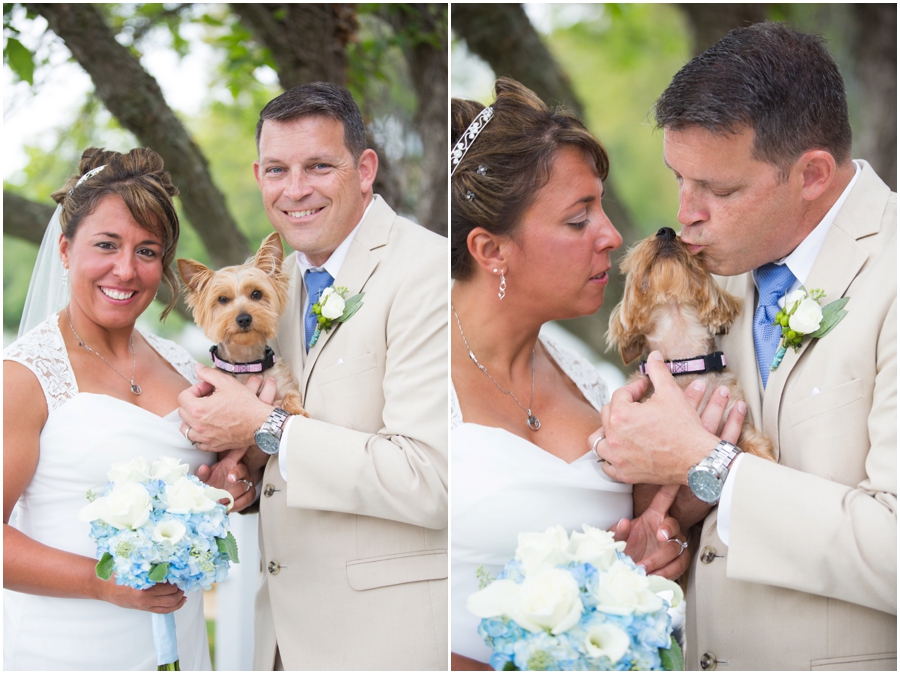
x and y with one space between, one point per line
161 598
648 538
233 475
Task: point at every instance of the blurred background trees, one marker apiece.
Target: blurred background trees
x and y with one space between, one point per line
393 57
609 63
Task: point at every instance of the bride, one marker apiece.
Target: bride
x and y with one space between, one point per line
530 243
84 389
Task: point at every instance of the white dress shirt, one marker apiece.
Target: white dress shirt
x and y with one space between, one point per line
800 262
333 266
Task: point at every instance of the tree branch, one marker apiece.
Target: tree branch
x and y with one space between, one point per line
25 219
134 97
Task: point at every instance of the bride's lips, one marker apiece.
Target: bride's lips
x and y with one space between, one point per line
118 295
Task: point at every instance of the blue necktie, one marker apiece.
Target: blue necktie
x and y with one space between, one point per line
773 281
316 282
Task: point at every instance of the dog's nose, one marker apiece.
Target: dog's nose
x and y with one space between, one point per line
244 320
666 233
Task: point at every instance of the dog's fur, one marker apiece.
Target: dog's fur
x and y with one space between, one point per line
258 289
672 304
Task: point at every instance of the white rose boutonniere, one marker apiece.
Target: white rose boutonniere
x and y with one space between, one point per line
804 316
333 308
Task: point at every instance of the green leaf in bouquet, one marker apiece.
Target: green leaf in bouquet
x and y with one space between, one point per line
158 572
105 566
832 314
351 306
228 547
672 657
510 666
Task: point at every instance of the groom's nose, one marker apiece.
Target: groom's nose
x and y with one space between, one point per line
298 187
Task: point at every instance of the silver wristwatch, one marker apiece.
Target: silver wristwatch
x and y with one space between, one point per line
707 478
268 436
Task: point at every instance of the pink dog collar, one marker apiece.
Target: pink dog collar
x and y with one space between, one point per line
243 368
711 362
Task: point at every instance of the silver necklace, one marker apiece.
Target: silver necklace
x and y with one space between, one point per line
533 422
135 389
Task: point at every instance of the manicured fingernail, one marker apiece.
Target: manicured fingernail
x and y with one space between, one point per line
698 385
655 355
619 524
741 407
232 477
665 534
724 392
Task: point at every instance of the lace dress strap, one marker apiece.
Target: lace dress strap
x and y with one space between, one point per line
178 356
43 351
580 370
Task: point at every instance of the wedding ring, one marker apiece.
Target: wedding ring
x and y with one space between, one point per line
187 435
601 437
248 483
683 545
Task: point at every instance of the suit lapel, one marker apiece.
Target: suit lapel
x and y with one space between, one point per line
355 272
289 342
838 263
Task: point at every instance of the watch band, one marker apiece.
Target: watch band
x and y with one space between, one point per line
275 423
722 456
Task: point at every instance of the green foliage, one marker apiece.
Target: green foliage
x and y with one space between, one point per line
105 567
484 577
672 657
228 547
19 59
158 572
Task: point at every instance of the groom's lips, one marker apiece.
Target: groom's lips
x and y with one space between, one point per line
300 213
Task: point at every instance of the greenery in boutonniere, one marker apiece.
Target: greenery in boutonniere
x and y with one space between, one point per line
803 316
333 308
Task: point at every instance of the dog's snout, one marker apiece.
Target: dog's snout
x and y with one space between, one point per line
244 320
666 233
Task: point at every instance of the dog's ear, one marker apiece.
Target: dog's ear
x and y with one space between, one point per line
270 254
631 345
194 274
720 310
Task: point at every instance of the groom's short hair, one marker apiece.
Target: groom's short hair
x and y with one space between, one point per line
318 99
767 77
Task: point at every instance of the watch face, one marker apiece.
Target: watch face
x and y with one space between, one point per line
705 485
266 442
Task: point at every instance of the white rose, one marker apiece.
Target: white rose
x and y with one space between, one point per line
807 318
127 506
607 640
595 546
332 304
797 296
135 470
549 600
169 530
539 552
168 470
184 497
623 590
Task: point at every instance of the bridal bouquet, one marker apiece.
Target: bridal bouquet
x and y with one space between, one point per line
157 524
576 603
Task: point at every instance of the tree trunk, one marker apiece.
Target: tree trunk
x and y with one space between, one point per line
503 36
134 97
709 23
25 219
874 47
426 58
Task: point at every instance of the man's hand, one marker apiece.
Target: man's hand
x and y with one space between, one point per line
221 413
657 441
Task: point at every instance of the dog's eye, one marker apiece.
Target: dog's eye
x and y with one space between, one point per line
256 295
223 300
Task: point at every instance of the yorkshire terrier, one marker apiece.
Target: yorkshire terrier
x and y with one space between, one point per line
239 308
673 305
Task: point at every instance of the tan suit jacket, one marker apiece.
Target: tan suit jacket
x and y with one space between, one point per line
810 578
354 546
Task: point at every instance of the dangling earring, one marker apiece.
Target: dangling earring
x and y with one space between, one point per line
65 277
502 292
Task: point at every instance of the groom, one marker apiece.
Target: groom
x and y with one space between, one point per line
797 567
353 499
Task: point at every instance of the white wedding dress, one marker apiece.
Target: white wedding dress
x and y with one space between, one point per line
503 485
84 435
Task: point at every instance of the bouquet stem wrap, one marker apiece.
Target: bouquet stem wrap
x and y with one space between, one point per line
165 641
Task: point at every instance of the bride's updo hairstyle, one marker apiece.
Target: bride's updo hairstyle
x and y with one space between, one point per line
508 163
139 179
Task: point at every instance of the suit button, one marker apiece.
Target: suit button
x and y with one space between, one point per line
707 555
274 568
270 489
708 661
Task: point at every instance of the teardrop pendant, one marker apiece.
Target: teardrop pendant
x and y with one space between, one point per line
135 389
533 422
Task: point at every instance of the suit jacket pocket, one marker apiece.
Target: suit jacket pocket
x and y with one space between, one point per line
407 567
825 402
878 661
348 368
